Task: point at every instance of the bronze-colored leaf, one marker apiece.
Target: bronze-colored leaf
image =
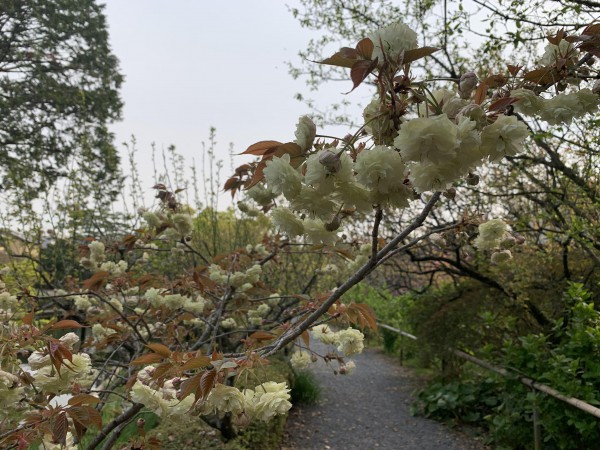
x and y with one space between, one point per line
83 399
159 348
289 148
196 363
362 314
365 48
260 148
148 358
97 281
305 338
231 183
338 60
418 53
129 241
207 382
495 81
188 386
541 76
514 70
65 324
202 281
349 53
59 427
480 93
28 318
592 29
258 175
361 70
262 336
85 415
502 103
555 39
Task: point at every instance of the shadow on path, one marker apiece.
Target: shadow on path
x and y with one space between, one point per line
369 409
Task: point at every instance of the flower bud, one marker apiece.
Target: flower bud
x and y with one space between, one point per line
502 256
508 242
450 193
467 84
331 161
519 239
472 179
334 224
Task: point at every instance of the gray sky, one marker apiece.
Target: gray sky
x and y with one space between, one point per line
193 64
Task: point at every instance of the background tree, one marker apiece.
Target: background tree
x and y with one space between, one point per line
59 86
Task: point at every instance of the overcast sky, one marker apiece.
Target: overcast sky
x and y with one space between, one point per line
193 64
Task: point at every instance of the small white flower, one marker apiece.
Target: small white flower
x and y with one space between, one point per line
282 178
393 40
300 360
433 138
529 102
350 341
306 131
287 222
503 138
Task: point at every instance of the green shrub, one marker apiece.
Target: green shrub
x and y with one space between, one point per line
305 389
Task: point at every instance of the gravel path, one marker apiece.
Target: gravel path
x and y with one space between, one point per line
369 409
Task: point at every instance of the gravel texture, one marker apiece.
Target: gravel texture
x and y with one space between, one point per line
368 409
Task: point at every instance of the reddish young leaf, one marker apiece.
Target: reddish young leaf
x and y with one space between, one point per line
188 386
338 60
262 336
149 358
59 427
349 53
306 338
96 281
258 175
85 415
159 348
541 76
361 70
83 399
196 363
365 48
260 148
502 103
207 382
28 318
514 70
495 81
64 324
480 93
418 53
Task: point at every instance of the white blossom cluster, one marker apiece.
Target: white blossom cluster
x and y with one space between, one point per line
494 235
428 154
450 139
175 301
241 280
45 376
262 403
300 360
348 341
96 260
560 109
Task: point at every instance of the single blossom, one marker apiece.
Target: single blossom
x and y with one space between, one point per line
392 41
503 138
433 139
282 178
